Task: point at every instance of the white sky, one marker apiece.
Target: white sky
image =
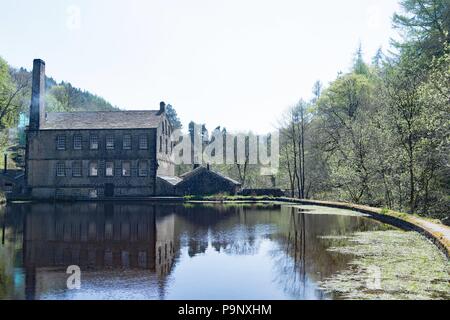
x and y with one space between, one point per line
234 63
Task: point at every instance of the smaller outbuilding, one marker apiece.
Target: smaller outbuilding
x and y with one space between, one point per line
201 181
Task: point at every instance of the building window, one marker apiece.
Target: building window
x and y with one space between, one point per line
59 193
126 169
94 142
61 142
109 142
8 187
76 169
160 144
109 169
127 142
60 169
143 168
93 193
93 169
167 147
143 144
77 142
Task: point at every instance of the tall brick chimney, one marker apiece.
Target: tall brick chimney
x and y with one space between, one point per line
37 108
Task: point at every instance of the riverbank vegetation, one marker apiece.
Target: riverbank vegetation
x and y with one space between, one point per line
407 267
378 134
15 96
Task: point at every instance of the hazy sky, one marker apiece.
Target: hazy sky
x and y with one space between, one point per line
235 63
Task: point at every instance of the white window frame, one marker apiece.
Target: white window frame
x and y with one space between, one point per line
142 139
60 169
109 143
93 193
126 138
129 169
111 173
80 167
77 138
91 168
144 172
93 142
61 142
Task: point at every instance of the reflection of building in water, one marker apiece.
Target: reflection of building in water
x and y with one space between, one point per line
165 244
95 236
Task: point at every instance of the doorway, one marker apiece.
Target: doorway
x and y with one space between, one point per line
109 190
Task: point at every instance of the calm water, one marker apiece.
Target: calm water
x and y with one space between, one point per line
150 251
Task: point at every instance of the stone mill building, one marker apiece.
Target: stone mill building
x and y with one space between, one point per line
90 155
94 154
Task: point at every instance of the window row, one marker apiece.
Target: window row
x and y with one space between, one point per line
125 169
166 129
110 142
168 144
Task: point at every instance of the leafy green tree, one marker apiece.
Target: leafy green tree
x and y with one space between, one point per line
173 117
425 26
9 96
344 110
359 66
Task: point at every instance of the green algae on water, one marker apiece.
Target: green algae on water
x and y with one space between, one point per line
322 210
409 267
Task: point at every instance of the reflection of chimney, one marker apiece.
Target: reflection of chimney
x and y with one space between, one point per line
37 108
162 107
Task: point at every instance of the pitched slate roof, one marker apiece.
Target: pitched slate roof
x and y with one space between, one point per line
12 174
172 180
148 119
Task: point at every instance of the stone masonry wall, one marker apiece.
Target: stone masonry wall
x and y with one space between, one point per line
43 157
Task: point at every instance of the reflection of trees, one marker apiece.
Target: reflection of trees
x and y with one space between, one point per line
234 230
291 258
6 276
7 259
241 240
302 257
